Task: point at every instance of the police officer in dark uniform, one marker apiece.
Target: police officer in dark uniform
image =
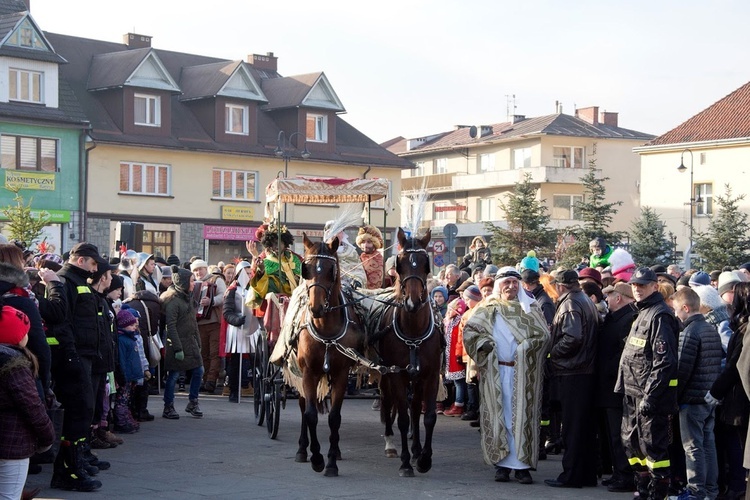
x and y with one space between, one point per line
648 379
74 337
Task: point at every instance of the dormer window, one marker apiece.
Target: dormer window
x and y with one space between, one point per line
237 119
147 110
24 85
27 37
317 128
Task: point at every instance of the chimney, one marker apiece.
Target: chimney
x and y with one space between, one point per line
558 108
134 41
267 62
608 118
517 118
589 115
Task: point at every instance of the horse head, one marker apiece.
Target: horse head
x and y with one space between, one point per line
413 267
320 270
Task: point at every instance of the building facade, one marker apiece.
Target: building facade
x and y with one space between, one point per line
468 171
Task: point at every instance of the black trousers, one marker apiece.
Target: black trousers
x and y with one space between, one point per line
612 423
646 440
72 386
576 395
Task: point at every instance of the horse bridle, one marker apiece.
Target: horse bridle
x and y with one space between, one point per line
318 269
413 263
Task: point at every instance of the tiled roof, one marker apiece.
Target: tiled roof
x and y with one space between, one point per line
12 7
7 23
205 80
352 147
557 124
288 92
68 110
112 69
728 118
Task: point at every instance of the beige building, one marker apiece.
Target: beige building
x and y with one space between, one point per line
714 148
469 170
182 147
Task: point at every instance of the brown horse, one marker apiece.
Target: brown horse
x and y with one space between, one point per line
326 328
408 341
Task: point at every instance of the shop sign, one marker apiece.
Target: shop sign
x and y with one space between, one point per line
18 179
229 233
311 233
55 216
229 212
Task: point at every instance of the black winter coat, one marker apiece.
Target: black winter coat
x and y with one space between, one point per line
83 308
13 283
108 341
698 360
612 335
574 332
545 302
728 387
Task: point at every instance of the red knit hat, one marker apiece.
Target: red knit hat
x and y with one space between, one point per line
14 325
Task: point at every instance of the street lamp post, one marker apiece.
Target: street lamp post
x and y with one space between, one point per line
682 168
285 148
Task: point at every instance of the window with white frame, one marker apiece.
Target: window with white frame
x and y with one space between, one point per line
29 153
441 166
145 178
237 119
567 156
486 209
147 110
25 85
317 128
486 162
27 37
564 206
419 171
521 158
235 185
704 199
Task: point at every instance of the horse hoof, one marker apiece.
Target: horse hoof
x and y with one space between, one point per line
338 455
317 463
331 472
300 457
424 465
406 472
391 453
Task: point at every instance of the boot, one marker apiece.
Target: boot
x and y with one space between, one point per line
107 436
642 481
139 404
68 473
233 397
92 459
659 488
169 412
194 409
454 411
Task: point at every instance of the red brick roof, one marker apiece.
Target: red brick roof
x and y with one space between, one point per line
728 118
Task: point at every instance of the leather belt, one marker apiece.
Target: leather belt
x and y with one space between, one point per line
507 363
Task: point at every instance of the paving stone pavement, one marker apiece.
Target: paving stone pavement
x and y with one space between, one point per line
226 455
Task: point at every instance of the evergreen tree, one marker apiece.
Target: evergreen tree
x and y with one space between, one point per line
726 242
528 220
595 215
648 243
23 225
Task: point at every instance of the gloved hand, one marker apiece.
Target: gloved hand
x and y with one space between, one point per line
645 408
72 362
179 356
709 399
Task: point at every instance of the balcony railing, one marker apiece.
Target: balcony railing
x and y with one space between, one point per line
432 183
500 178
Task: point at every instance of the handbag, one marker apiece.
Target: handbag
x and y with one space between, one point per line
153 350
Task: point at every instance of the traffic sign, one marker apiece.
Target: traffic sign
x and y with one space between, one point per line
438 260
438 247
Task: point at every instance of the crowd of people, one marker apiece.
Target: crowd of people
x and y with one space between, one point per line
643 365
636 373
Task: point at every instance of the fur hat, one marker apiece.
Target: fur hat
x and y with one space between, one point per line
14 325
370 233
181 279
197 264
125 318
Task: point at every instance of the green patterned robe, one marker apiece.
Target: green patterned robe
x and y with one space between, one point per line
532 335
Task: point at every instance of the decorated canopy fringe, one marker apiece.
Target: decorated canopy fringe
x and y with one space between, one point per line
334 190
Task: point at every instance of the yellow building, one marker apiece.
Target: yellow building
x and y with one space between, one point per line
184 146
469 170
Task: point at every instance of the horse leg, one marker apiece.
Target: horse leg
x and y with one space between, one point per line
424 462
406 470
304 442
387 416
334 421
416 414
310 386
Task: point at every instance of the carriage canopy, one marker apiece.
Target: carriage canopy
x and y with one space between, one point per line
332 190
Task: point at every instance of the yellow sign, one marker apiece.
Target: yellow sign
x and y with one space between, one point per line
237 213
18 179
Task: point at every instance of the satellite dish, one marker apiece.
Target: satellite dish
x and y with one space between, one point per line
473 131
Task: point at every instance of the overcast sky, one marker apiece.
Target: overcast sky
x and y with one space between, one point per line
411 68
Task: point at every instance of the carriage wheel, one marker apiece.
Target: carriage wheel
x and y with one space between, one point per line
260 360
273 400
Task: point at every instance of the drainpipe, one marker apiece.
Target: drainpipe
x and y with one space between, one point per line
87 144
